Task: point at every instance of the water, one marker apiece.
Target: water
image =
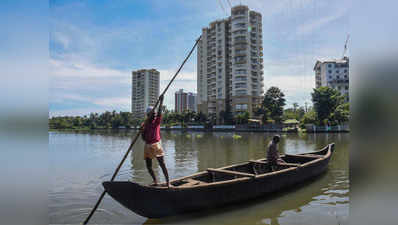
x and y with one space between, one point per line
81 161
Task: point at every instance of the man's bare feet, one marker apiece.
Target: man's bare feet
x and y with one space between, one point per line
154 184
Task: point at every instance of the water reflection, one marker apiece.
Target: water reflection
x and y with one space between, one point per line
81 161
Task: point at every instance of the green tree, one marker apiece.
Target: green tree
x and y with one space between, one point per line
300 112
242 118
309 118
326 100
289 114
126 119
274 101
341 114
200 118
116 120
295 107
295 112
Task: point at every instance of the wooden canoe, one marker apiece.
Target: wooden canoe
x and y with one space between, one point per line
217 187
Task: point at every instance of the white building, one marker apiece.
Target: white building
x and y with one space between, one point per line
185 101
145 90
230 63
333 73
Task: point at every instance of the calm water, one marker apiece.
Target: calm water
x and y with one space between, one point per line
79 162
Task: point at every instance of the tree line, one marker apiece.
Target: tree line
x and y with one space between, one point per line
329 107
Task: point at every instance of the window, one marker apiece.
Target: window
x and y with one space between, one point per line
240 78
240 25
330 77
241 92
240 85
346 87
241 106
329 65
337 71
240 38
239 58
240 71
330 71
338 77
345 71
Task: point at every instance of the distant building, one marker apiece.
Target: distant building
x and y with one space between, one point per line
145 90
185 101
333 73
230 63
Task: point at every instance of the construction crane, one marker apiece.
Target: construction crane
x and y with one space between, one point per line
345 45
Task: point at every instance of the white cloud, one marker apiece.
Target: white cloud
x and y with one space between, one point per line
123 102
75 111
296 88
59 97
74 80
73 74
310 27
167 74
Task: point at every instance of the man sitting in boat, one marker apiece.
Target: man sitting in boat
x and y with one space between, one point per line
153 147
273 157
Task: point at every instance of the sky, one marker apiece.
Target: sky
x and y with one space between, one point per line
95 44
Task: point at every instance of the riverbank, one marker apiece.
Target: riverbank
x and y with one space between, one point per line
231 128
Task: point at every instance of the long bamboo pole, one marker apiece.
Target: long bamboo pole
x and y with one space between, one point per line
137 136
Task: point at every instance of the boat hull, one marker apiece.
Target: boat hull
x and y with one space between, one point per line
154 202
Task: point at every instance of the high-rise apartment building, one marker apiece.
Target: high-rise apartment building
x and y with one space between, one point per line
230 63
185 101
333 73
145 90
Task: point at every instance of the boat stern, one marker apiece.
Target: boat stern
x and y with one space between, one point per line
145 201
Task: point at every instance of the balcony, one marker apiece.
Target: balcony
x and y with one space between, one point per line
237 42
240 53
339 81
240 46
241 62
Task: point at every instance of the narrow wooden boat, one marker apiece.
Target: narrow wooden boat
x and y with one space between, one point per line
216 187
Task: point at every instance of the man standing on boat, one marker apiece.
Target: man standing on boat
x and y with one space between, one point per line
153 147
273 157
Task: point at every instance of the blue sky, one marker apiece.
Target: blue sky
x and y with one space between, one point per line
94 46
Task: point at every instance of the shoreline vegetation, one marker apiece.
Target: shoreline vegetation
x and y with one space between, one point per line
330 113
319 129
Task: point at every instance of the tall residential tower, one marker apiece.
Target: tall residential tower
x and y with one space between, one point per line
145 91
333 73
185 101
230 63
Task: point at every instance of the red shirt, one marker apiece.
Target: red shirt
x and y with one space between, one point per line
152 130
